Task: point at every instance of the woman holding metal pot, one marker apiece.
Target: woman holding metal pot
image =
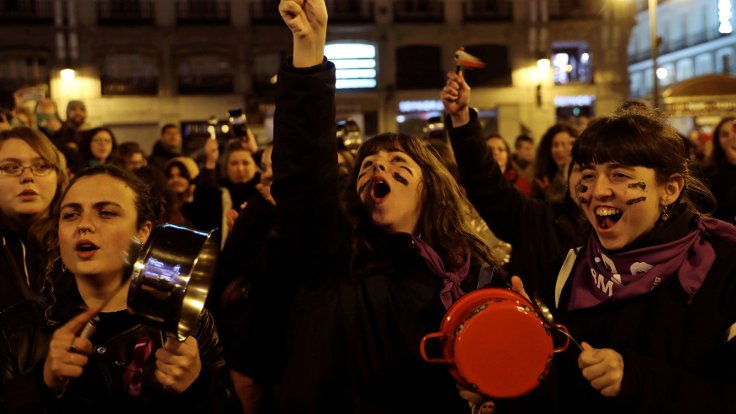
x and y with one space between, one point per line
651 291
47 365
361 280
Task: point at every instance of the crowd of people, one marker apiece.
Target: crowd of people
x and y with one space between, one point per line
336 259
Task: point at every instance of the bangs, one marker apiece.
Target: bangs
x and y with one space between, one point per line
382 142
631 140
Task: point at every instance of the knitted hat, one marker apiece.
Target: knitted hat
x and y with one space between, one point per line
188 163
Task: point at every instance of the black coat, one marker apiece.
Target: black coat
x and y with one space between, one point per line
22 265
25 333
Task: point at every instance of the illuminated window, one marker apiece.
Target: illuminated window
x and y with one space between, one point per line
355 64
571 62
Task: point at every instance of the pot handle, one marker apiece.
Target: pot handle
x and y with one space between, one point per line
423 352
564 331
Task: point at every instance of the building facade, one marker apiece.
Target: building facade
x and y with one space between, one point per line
142 63
695 39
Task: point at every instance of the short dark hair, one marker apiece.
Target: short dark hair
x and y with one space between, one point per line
167 126
522 138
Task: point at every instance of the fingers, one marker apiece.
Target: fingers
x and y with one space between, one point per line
470 396
603 368
589 356
178 364
518 286
67 354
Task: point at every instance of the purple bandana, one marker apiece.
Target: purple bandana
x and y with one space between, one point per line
133 376
608 276
451 290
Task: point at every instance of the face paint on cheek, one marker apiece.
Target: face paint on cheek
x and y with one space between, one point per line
579 189
362 187
635 200
640 185
400 179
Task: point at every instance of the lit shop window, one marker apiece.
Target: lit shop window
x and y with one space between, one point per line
355 64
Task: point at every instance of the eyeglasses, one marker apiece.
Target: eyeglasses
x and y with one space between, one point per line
15 169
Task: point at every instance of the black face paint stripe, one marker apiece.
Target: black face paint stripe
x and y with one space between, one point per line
362 187
640 184
583 200
636 200
401 179
580 188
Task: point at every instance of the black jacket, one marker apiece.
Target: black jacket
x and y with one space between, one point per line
22 264
676 355
25 333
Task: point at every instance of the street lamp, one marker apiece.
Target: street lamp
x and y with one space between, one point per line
654 41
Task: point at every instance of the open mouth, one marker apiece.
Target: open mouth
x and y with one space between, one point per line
379 191
607 217
28 193
86 246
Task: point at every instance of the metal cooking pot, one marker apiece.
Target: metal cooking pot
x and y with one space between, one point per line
172 276
494 343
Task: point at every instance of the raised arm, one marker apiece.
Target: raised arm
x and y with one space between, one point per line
304 157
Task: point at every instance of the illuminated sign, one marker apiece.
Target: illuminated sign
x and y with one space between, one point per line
724 16
577 100
355 64
428 105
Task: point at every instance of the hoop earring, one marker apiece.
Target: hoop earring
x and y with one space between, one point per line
665 214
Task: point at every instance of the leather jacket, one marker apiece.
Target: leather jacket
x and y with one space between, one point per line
26 330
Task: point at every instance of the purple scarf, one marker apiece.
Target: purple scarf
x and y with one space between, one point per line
608 276
451 290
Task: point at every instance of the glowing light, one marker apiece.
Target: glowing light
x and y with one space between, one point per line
67 75
585 57
355 64
662 73
400 119
724 16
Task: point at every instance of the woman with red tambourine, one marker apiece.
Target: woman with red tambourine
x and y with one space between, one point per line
651 291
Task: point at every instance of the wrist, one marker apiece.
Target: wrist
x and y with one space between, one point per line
308 51
460 118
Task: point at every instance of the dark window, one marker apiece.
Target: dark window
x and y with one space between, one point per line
419 67
129 74
17 71
497 71
205 74
125 12
265 67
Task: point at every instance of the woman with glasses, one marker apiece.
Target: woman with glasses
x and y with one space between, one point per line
32 177
97 145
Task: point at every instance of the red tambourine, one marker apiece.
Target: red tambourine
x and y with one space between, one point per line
495 343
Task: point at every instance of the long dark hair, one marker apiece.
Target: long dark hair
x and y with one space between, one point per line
443 218
719 155
639 136
544 165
